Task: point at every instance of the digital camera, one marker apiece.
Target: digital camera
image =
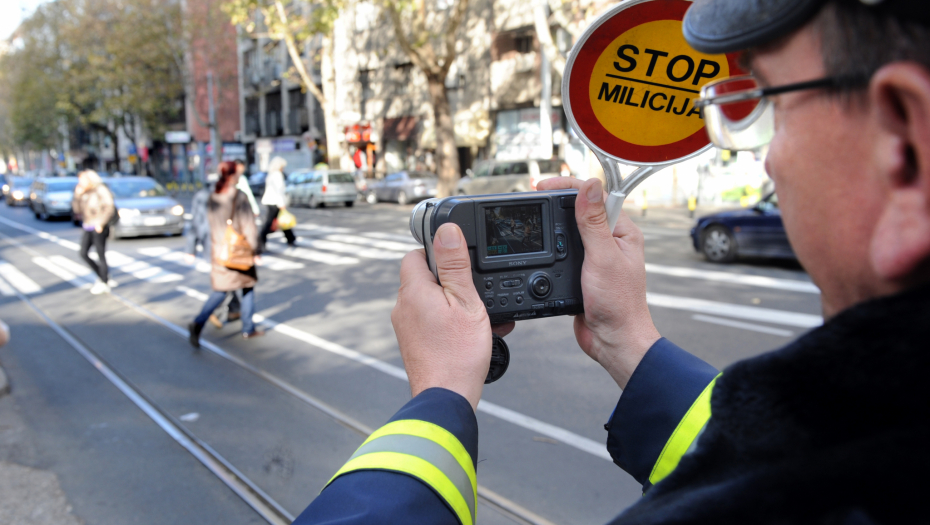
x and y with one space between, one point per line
526 253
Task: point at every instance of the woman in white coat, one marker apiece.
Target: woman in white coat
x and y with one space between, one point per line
275 199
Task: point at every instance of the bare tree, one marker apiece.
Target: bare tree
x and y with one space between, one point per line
428 37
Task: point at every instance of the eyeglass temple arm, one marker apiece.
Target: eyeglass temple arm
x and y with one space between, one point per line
619 188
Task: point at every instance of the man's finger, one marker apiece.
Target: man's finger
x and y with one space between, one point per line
453 264
413 269
591 214
559 183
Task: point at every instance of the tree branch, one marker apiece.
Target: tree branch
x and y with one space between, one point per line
295 54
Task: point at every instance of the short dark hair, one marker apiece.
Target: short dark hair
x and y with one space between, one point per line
856 41
240 162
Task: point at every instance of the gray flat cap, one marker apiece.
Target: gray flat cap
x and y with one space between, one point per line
725 26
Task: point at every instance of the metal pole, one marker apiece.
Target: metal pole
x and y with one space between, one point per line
545 107
619 188
214 135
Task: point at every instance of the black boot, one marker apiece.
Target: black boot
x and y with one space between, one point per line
194 331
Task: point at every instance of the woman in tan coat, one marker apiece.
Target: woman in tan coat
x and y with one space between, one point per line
228 204
93 203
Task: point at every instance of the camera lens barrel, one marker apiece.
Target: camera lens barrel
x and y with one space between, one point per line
416 220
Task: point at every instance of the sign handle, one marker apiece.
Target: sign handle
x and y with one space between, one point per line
619 188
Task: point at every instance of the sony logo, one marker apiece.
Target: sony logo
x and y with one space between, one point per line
517 263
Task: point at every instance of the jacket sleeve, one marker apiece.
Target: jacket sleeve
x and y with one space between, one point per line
418 468
243 185
667 396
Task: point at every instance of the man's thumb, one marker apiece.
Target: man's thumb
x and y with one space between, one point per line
453 264
591 214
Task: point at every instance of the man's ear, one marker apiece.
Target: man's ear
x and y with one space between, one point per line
899 95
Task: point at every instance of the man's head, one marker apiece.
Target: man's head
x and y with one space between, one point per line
851 167
240 167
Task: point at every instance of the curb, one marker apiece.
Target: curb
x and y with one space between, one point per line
4 383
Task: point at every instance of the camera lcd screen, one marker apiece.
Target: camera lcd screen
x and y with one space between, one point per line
513 230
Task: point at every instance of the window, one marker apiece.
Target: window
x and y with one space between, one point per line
481 170
524 43
402 77
364 78
394 177
131 188
341 177
61 186
549 166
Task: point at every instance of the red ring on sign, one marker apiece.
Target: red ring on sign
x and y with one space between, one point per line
583 67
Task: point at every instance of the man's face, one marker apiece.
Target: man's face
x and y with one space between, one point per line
240 169
821 162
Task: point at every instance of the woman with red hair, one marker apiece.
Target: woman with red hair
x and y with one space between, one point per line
228 206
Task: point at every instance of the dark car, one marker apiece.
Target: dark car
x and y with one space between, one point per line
257 183
51 196
756 231
403 187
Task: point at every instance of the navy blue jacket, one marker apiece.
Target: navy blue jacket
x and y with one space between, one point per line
660 392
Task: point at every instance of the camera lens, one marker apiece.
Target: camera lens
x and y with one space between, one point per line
540 285
416 220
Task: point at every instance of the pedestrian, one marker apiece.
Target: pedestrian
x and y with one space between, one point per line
198 236
832 428
275 199
229 207
93 203
243 186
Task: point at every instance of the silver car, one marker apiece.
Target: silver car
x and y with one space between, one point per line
316 188
51 196
403 187
144 208
505 176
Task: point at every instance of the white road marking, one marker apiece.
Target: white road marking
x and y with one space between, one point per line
174 256
320 257
6 289
742 325
18 279
735 278
47 236
399 237
60 272
319 229
338 247
278 264
139 269
374 243
750 313
76 268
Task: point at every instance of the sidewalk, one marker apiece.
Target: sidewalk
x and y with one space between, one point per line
678 218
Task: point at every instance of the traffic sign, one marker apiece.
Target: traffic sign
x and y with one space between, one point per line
631 80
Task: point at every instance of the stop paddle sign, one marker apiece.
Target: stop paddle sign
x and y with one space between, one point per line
631 81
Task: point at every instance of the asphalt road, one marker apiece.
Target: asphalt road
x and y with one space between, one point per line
328 304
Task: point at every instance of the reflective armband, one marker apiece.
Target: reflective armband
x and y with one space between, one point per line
426 452
684 435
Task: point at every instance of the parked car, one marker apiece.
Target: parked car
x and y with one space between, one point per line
755 231
505 176
51 196
18 194
403 187
316 188
257 183
144 208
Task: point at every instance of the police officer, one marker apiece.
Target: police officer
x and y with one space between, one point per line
832 428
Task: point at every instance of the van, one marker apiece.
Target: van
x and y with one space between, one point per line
506 176
315 188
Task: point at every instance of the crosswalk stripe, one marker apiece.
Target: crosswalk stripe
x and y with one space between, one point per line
76 268
368 253
6 289
18 279
408 238
374 243
60 272
320 257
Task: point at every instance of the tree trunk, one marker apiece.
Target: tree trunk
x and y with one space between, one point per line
334 151
447 158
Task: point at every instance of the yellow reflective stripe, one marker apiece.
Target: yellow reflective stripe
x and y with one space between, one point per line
384 450
419 468
443 437
680 441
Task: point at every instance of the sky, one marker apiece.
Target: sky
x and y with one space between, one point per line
12 12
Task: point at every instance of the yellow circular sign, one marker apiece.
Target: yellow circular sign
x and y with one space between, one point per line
643 85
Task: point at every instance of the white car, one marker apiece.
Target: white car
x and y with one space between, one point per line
316 188
506 176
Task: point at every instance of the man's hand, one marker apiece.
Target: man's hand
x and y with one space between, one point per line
443 331
616 329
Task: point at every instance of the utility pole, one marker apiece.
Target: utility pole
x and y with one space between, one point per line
214 133
545 99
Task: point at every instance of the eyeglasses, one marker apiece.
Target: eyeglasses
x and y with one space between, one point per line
738 114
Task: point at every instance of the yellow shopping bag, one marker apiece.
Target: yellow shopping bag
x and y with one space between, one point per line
286 220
